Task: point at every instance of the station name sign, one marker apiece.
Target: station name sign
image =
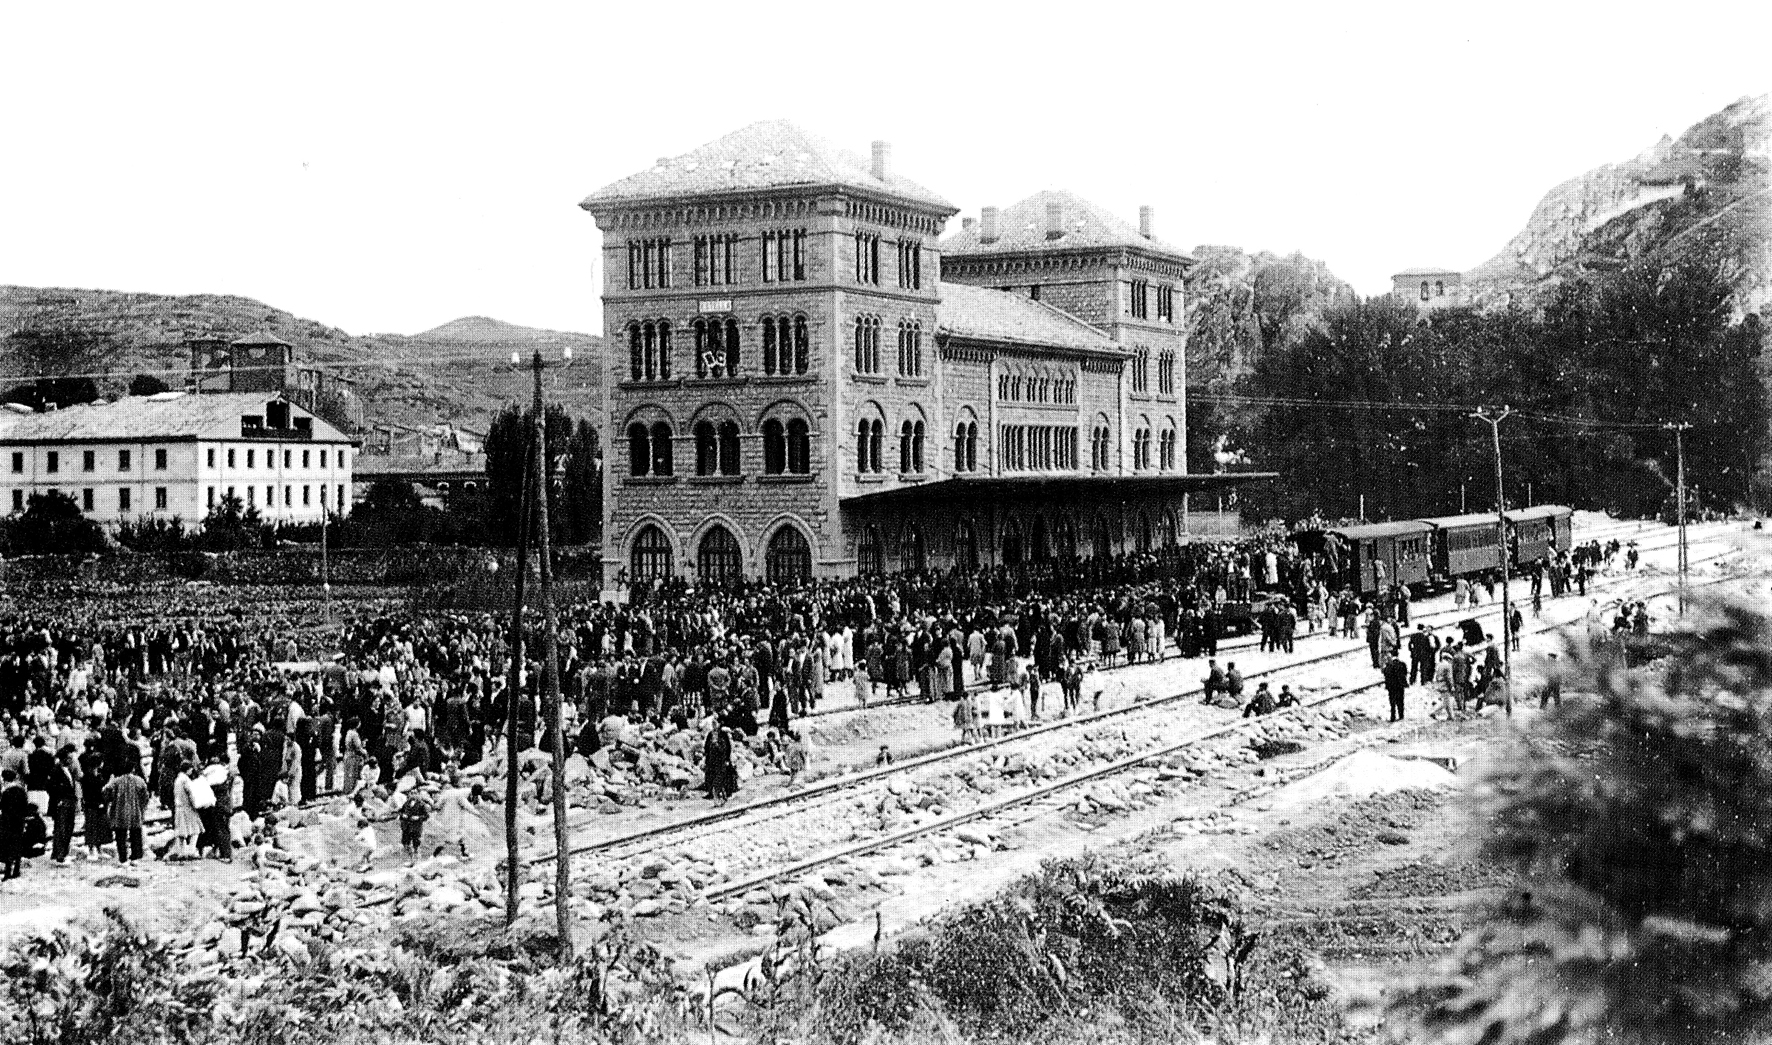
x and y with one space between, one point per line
716 306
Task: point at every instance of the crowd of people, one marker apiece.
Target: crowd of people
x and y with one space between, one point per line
221 720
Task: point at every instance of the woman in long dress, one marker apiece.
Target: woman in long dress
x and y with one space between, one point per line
186 824
993 712
944 673
353 749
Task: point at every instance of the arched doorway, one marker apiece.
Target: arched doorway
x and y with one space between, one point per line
965 547
870 555
913 551
789 558
719 560
1101 539
652 555
1064 539
1012 549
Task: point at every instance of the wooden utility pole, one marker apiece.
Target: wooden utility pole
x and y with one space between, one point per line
513 750
550 645
1507 605
1679 431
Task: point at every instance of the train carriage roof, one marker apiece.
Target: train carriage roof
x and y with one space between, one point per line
1459 522
1539 511
1406 528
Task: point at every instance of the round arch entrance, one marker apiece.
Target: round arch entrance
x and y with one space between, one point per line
719 560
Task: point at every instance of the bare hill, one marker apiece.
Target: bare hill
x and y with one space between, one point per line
459 373
1707 190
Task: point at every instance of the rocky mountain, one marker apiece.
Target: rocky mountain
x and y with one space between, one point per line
458 373
1709 190
1239 304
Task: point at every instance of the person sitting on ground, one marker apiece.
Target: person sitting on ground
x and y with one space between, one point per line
1286 699
1260 704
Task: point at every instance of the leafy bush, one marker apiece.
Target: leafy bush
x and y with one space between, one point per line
51 524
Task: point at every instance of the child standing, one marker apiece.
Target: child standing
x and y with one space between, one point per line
413 815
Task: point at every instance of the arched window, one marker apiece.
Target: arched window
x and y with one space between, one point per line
775 448
664 350
652 556
972 447
789 557
904 448
732 348
769 362
1141 370
661 449
862 430
876 442
965 546
867 344
728 448
636 352
716 347
799 447
719 560
707 449
913 551
1424 290
1439 288
917 432
960 447
910 348
801 350
869 554
639 450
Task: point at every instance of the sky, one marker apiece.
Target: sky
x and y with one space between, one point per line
388 167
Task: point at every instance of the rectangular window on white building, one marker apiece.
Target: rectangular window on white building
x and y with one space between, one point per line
251 456
209 457
123 499
307 458
288 496
210 496
307 495
252 495
287 457
322 458
52 462
89 461
86 499
230 457
159 460
18 463
160 498
18 500
341 496
123 460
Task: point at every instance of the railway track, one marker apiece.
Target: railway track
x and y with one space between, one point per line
848 788
1036 794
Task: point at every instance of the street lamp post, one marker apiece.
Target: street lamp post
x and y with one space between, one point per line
1507 610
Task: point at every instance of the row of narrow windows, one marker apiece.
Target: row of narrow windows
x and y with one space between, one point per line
52 460
1023 448
1141 371
1141 450
1025 388
867 346
870 438
787 448
718 347
126 497
781 258
1140 301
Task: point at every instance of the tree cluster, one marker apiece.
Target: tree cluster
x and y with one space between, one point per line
575 491
1594 373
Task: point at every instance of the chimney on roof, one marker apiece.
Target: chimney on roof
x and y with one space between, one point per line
1054 219
987 225
967 224
1146 214
882 159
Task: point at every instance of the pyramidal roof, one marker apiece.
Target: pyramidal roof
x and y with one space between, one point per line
765 155
1022 227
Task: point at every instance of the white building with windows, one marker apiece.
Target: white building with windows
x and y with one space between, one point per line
176 455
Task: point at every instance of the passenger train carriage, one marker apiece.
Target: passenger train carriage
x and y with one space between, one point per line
1434 552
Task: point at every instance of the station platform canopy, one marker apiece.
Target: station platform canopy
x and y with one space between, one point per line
1065 487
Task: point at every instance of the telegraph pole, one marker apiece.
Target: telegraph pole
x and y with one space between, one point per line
1507 607
1679 431
542 480
513 750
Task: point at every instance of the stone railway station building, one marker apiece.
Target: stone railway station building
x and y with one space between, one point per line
806 379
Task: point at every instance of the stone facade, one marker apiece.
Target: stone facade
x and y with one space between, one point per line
1429 288
869 361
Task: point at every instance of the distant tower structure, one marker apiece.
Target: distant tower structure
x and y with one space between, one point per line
263 362
1429 288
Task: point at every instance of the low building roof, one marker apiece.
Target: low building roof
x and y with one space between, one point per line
1369 531
263 337
768 154
1022 228
168 416
1425 272
984 314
